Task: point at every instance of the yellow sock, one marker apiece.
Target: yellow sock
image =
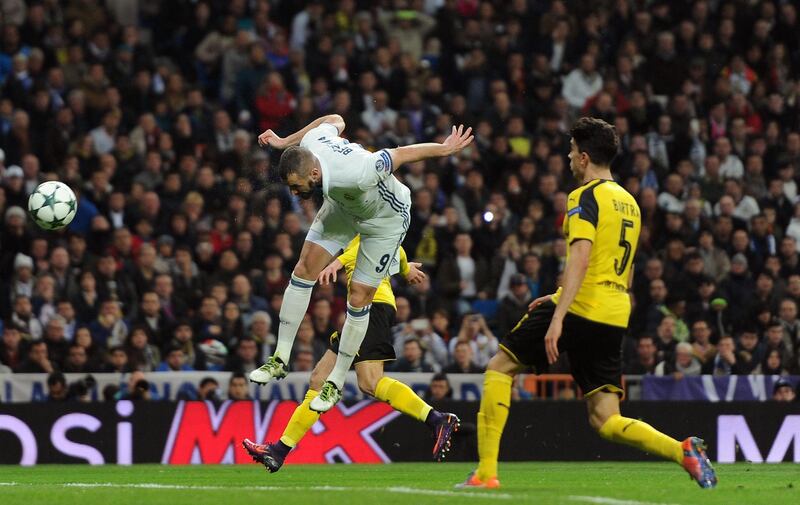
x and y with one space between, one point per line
402 398
641 435
301 421
495 402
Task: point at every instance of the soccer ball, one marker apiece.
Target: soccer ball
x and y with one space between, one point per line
52 205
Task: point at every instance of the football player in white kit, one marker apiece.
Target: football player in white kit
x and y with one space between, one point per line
361 196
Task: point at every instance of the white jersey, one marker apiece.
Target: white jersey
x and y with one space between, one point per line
358 182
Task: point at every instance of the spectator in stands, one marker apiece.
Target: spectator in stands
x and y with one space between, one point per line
137 388
109 329
142 355
261 332
412 358
175 360
57 344
463 278
773 340
304 342
232 324
749 353
439 389
208 390
56 387
436 352
582 83
76 360
476 332
514 305
183 338
782 391
702 348
771 364
94 352
682 364
726 360
208 321
646 362
245 359
24 320
303 361
462 360
117 361
321 319
37 361
153 317
237 387
11 348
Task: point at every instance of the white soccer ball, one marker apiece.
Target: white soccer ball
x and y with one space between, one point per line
52 205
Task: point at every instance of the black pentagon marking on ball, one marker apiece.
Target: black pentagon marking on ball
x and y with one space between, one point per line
72 205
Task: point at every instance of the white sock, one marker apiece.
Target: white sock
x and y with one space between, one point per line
293 309
353 332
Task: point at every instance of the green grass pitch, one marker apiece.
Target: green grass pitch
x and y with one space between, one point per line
407 484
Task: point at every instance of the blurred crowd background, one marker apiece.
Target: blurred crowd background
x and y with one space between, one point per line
185 239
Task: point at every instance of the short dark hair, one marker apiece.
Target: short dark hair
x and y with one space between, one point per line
294 160
441 376
208 380
56 378
596 138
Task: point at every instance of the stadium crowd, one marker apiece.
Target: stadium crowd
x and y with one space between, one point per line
184 239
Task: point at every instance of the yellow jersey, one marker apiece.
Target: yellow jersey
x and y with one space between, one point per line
384 293
603 212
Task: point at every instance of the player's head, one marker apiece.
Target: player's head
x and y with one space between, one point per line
299 169
594 142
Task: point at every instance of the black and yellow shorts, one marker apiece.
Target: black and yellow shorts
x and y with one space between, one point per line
594 349
377 344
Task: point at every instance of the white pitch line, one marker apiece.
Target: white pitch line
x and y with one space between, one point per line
612 501
152 485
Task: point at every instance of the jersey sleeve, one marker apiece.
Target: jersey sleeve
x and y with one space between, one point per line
348 256
375 168
582 217
323 130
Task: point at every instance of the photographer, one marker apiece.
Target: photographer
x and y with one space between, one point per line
81 390
436 354
476 332
137 388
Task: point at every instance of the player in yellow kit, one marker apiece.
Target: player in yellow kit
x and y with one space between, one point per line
376 349
586 317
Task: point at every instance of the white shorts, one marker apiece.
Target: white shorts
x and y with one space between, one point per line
378 253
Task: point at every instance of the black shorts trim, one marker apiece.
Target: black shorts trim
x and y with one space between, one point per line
594 349
377 344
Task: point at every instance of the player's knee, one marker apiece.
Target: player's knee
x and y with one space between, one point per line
303 270
367 385
597 419
316 380
360 297
502 363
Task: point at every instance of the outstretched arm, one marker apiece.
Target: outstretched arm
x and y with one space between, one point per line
456 141
270 138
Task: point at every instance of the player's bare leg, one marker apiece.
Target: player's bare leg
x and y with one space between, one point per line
495 404
353 333
605 418
313 258
272 455
402 398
